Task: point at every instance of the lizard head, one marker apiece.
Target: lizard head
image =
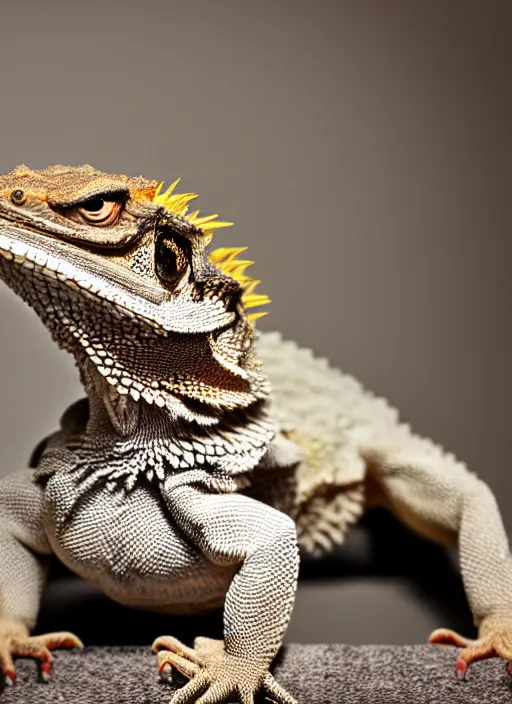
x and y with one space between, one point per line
121 274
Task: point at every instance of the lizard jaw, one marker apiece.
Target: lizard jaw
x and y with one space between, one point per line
80 299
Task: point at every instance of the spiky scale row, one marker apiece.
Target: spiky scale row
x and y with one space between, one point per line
225 258
177 203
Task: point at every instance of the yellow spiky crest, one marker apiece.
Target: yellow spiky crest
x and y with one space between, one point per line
224 258
177 203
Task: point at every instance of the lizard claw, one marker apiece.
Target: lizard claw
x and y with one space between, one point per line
495 641
10 677
172 653
46 670
215 675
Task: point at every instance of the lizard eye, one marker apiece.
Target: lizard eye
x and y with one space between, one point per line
99 211
18 196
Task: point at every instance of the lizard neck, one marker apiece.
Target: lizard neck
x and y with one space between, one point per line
125 442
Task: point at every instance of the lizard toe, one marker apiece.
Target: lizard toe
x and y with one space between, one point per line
167 660
37 648
174 645
172 654
496 641
276 692
445 636
191 691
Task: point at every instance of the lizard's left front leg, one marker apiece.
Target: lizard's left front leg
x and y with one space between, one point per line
440 498
231 529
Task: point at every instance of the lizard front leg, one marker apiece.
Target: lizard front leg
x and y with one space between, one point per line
235 530
440 498
24 550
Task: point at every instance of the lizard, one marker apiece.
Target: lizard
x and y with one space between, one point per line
206 456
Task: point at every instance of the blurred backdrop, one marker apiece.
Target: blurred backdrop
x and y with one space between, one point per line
363 149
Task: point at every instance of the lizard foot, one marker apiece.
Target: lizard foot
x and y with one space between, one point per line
495 641
215 675
16 642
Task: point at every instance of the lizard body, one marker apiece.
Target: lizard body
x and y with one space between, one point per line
186 480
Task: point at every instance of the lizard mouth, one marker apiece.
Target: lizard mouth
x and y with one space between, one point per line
104 280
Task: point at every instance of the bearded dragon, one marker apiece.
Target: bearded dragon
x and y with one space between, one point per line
205 455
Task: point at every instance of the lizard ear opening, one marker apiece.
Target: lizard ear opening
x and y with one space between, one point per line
172 257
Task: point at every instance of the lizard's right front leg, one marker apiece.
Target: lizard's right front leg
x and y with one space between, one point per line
234 530
24 551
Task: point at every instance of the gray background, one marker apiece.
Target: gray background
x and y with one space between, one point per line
363 148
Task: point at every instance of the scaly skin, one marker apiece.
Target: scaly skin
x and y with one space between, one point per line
182 483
